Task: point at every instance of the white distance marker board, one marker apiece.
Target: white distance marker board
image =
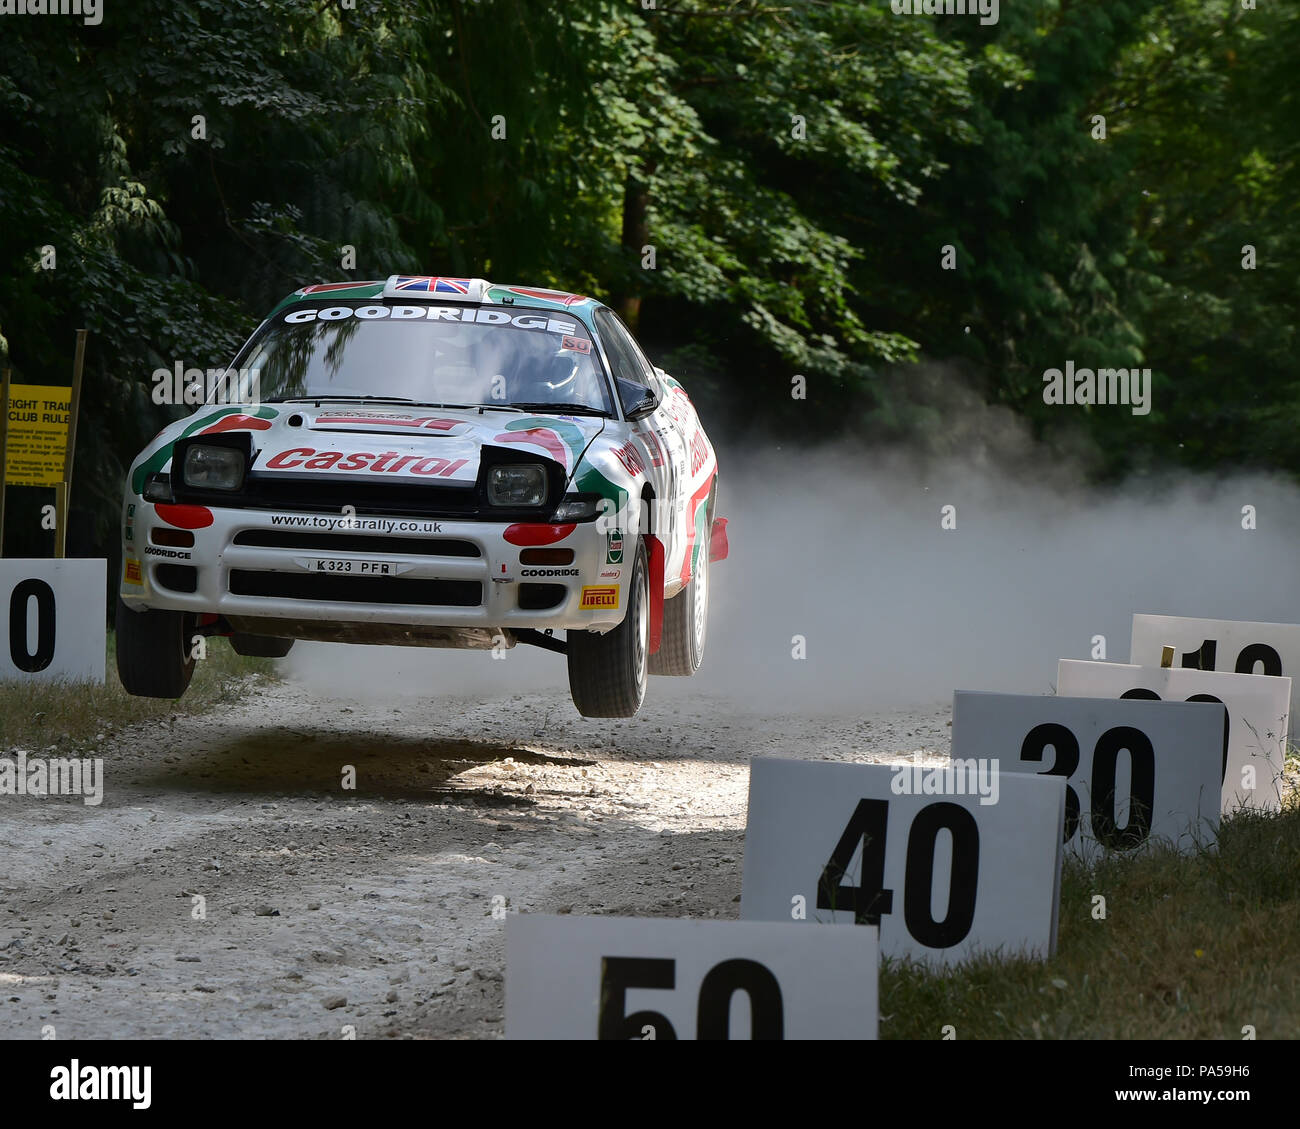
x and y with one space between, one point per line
1254 742
1233 646
941 873
1136 771
52 623
662 978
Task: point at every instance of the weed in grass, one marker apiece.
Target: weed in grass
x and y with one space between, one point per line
37 715
1191 947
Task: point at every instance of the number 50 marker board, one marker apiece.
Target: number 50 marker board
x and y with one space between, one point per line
1254 740
1136 771
661 978
946 861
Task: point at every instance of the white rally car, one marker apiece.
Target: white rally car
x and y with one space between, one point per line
429 461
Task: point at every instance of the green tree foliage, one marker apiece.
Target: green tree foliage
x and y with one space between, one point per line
168 244
791 171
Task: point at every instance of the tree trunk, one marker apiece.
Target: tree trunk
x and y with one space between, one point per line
636 235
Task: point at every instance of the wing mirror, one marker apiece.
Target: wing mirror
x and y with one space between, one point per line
643 408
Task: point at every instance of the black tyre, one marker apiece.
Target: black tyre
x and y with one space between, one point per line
607 673
153 652
260 646
686 622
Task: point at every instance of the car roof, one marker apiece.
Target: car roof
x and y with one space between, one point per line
421 288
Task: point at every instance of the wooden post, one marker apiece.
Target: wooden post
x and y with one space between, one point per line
4 450
63 491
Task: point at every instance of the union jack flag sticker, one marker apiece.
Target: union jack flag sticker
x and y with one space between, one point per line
430 285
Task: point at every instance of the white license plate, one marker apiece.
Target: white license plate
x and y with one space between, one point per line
350 566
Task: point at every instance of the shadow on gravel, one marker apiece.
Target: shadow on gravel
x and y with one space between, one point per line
296 762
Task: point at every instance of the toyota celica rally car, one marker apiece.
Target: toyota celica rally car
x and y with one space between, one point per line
437 462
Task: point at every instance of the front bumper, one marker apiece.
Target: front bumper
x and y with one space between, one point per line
256 565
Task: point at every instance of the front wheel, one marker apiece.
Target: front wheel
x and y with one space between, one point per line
607 673
153 651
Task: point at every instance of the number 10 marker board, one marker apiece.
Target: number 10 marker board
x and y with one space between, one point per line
946 862
1219 644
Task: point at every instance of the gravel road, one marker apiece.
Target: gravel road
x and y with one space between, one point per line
330 912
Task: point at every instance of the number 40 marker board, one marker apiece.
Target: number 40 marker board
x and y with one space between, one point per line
947 862
1254 740
1136 771
663 978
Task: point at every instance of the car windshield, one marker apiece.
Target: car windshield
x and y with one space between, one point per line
448 355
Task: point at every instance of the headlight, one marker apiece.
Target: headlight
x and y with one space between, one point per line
214 468
575 509
158 488
517 484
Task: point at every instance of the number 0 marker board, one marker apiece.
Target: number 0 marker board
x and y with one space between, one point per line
663 978
1219 644
943 875
1254 741
1136 771
52 620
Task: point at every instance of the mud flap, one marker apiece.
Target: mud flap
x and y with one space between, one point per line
655 563
718 546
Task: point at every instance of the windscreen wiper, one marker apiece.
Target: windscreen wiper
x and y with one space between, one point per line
369 399
348 399
569 409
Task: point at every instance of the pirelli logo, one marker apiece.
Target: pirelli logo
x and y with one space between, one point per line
600 596
133 572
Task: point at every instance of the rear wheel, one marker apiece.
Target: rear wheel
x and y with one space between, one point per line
607 673
260 646
686 622
153 651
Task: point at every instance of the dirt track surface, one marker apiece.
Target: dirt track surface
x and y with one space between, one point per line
382 896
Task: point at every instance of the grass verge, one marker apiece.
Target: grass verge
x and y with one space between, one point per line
1191 947
38 715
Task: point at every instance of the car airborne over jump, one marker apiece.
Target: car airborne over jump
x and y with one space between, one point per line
438 462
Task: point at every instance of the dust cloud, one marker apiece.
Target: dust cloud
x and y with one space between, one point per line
844 548
847 550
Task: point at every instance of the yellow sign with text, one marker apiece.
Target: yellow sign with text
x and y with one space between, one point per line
37 441
603 596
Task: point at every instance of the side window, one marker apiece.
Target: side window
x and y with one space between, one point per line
631 369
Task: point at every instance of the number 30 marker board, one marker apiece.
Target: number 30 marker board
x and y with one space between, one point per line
1254 741
1219 644
1136 771
52 620
946 863
664 978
